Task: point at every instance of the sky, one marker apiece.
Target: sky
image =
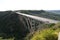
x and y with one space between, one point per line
29 5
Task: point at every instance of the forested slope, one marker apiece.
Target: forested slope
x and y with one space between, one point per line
12 25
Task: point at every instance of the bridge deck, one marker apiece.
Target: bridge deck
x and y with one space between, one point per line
39 18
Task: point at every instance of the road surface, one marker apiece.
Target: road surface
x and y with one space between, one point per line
39 18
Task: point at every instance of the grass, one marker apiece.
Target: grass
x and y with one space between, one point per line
6 39
46 34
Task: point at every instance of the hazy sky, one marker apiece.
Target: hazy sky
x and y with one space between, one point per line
29 5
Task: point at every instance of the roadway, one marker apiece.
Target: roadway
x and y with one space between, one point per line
39 18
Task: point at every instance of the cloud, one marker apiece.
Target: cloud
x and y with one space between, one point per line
29 4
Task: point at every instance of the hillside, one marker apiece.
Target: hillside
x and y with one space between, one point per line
15 26
54 11
12 25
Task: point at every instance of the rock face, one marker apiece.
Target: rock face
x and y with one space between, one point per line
12 25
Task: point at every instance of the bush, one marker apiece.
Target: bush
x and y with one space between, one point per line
46 34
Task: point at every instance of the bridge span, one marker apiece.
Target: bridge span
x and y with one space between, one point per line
46 20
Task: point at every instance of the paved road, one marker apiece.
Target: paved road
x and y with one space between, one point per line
39 18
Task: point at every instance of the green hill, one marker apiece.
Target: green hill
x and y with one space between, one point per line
12 25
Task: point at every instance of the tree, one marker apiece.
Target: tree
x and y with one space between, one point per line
11 25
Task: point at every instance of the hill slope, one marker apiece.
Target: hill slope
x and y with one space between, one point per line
12 25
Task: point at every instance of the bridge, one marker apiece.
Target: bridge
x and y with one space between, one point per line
39 18
31 23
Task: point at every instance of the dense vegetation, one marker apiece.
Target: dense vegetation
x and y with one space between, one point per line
46 34
50 33
12 26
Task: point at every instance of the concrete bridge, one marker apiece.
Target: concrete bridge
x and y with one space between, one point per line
31 23
39 18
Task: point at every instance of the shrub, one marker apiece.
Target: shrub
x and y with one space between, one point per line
46 34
